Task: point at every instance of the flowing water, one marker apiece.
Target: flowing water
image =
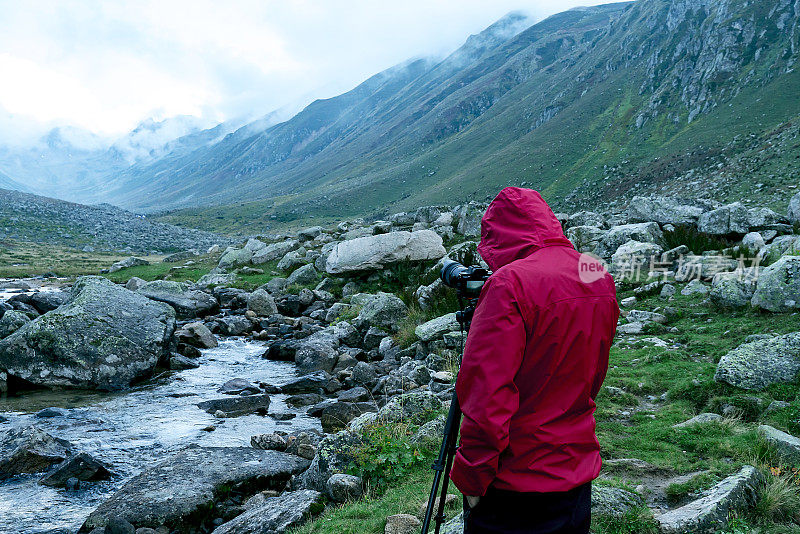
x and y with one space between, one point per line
134 429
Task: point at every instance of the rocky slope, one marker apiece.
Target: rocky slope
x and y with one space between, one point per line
370 360
31 218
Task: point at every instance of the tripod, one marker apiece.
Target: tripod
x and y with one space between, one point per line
447 451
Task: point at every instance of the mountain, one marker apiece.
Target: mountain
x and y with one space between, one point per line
586 106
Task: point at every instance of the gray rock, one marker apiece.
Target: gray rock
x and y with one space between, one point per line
753 241
188 304
105 337
663 210
310 383
197 335
402 524
667 291
334 455
135 283
699 419
455 525
235 257
276 514
274 251
586 218
703 267
261 303
646 317
342 487
695 287
179 362
430 432
778 287
234 325
377 251
126 263
787 446
317 352
216 279
309 233
304 275
794 209
29 450
758 363
336 416
780 246
236 406
765 218
468 219
175 490
710 513
385 310
415 408
633 328
674 254
49 413
81 467
269 442
437 327
613 502
619 235
291 261
733 290
364 374
585 238
11 321
728 219
254 245
237 386
45 301
633 258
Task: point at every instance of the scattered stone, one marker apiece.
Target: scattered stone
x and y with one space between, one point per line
710 513
700 419
269 442
663 211
127 263
787 446
276 514
402 524
633 328
667 291
197 335
238 386
274 251
646 317
342 487
384 310
235 257
628 302
304 275
695 287
262 303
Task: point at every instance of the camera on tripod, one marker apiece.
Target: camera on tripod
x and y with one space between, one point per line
467 281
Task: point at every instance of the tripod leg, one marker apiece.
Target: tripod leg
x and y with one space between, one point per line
442 466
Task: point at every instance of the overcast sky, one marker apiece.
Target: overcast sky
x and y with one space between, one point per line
106 65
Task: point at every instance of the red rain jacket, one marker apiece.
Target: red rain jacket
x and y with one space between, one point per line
536 356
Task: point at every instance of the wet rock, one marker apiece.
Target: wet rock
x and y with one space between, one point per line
761 362
236 406
276 514
310 383
187 303
127 263
269 442
778 287
377 251
261 303
234 325
45 301
80 467
786 445
48 413
197 335
238 386
11 322
710 513
105 337
402 524
116 525
30 450
177 489
179 362
303 399
729 219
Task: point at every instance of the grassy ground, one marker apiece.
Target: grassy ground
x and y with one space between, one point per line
649 388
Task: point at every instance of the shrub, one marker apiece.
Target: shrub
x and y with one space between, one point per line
386 455
697 241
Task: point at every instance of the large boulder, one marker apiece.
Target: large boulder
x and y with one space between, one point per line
437 327
304 275
728 219
734 289
29 450
45 301
188 304
335 454
786 445
197 335
586 218
468 219
766 219
710 513
235 257
585 238
778 288
377 251
105 337
633 259
663 210
236 406
317 352
618 235
261 303
276 514
762 361
81 467
703 267
180 490
273 251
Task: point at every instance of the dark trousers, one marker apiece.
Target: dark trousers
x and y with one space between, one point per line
509 512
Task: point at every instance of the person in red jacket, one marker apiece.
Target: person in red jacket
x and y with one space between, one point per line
535 358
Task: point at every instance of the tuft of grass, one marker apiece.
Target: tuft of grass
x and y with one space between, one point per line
634 521
778 499
697 241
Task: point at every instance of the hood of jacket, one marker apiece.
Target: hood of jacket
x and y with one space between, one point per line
517 223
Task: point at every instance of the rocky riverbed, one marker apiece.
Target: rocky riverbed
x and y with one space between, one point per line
225 409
